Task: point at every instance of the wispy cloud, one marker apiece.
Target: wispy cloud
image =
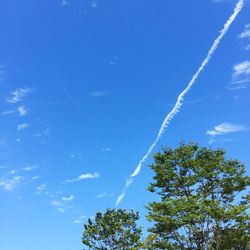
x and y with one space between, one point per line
18 140
94 4
75 155
245 35
45 132
61 210
29 168
13 171
114 61
8 112
59 206
175 110
240 76
84 177
22 126
226 128
99 93
242 68
41 187
35 177
56 203
10 184
19 94
65 3
106 149
246 32
69 198
79 220
22 111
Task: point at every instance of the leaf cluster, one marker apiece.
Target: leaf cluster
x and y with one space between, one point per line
113 230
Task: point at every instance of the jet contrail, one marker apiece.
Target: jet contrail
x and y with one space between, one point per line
71 99
180 98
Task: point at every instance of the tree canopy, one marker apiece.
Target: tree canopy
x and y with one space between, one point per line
113 230
201 206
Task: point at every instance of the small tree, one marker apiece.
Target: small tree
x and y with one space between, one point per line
200 207
113 230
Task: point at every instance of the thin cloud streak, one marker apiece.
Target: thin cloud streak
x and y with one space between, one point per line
242 68
71 99
245 35
225 128
21 111
84 177
22 126
8 112
99 93
246 32
240 76
79 220
106 149
180 98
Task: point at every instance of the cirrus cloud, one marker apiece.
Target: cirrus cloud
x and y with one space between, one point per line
225 128
19 94
10 184
22 126
240 76
84 177
69 198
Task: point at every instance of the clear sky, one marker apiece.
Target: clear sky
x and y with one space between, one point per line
84 88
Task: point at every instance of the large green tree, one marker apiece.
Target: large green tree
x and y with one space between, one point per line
113 230
201 205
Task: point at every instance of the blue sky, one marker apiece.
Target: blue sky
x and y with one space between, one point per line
84 88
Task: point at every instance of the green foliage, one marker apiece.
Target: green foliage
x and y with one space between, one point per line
114 229
201 205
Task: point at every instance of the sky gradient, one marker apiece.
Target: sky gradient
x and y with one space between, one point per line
84 88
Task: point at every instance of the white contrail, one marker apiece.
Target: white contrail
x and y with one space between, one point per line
71 99
180 98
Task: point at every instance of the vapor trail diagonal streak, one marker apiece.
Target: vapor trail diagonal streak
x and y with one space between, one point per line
71 99
180 98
